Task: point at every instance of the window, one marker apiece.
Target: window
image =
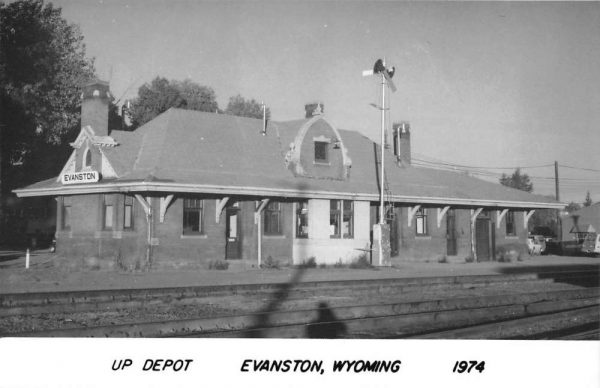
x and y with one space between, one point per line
128 212
193 216
107 212
302 219
421 223
510 223
321 152
272 214
66 213
87 158
348 219
341 214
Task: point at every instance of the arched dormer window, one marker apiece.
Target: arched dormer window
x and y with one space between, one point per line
87 158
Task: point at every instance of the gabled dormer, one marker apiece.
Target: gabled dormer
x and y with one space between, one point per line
94 135
318 150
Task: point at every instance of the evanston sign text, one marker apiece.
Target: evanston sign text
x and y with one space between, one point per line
80 177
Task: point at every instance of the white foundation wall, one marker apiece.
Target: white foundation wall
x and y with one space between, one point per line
328 250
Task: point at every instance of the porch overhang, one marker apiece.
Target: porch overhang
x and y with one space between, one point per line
170 187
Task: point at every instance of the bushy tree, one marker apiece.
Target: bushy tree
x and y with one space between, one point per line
239 106
517 181
162 94
42 68
572 206
588 200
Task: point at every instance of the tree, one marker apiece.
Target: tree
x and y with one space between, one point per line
42 68
588 200
517 181
238 106
162 94
572 206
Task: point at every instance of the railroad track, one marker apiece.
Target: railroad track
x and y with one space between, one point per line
98 300
410 312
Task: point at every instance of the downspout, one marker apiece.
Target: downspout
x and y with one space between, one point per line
259 242
258 222
146 205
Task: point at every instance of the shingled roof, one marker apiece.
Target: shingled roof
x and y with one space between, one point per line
191 151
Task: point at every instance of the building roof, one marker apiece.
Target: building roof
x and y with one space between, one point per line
192 151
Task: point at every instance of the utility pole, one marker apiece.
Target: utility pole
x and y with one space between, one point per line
556 186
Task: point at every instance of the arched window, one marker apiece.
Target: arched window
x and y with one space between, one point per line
87 158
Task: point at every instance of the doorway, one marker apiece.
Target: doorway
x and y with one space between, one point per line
233 235
483 237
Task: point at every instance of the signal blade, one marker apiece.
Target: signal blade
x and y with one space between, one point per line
367 73
389 81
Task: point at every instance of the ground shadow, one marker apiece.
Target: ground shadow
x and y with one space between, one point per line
326 325
257 330
583 275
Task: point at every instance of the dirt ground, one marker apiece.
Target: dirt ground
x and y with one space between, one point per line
44 276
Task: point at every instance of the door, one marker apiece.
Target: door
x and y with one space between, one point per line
482 239
232 233
392 221
451 247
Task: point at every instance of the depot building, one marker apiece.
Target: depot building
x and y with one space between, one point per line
189 187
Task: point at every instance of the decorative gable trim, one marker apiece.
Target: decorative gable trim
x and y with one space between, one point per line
107 169
292 157
88 133
69 167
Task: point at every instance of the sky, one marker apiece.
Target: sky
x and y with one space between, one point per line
494 84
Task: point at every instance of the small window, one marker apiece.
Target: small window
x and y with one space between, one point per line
66 213
421 222
321 152
193 216
510 223
302 219
272 218
87 158
107 212
128 212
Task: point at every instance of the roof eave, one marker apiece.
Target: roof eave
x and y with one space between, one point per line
125 187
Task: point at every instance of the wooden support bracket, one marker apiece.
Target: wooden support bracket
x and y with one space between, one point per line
500 216
259 209
411 213
441 212
164 204
221 203
526 216
475 213
145 204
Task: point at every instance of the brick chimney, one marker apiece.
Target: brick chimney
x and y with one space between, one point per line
314 109
401 137
94 106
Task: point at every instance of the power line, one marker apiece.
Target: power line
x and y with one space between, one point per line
480 167
579 168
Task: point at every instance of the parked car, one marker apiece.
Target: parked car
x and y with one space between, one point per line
536 245
591 244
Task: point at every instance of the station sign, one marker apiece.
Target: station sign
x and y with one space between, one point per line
80 177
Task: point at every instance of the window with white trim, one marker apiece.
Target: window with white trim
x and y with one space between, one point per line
128 212
107 211
193 216
510 223
341 218
302 219
421 222
272 218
